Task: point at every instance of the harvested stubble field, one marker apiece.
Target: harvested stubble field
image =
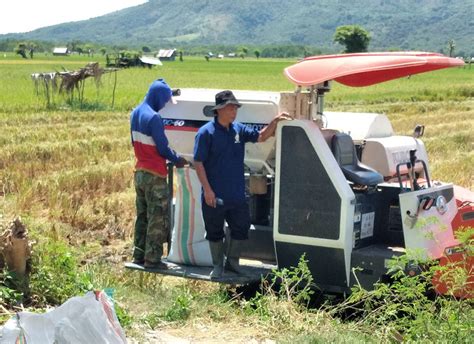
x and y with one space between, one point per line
68 172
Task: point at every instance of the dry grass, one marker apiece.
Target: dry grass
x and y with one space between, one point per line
70 173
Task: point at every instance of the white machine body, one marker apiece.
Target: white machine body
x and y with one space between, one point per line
313 208
427 215
382 150
339 188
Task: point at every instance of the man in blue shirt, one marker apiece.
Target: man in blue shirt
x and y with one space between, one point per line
219 152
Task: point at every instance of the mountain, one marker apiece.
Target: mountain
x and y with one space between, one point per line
393 24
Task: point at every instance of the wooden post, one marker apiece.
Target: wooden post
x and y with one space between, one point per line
113 92
15 251
82 86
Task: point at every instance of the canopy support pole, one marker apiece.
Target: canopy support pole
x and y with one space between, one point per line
317 102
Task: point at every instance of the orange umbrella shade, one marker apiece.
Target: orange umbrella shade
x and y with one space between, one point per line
365 69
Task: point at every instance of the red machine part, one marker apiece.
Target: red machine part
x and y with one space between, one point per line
364 69
465 203
459 267
459 261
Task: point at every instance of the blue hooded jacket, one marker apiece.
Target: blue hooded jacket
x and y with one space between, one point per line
148 133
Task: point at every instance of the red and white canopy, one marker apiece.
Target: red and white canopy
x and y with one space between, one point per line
365 69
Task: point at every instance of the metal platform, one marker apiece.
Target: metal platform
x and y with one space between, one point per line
252 273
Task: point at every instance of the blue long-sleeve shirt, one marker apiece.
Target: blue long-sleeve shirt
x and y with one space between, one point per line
148 133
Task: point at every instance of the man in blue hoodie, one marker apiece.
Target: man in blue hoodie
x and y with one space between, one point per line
151 151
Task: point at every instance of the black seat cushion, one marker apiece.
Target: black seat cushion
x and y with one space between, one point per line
344 151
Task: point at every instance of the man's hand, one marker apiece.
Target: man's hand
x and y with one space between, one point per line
181 162
284 116
210 197
269 130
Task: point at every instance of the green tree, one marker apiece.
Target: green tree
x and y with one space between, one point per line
451 46
89 50
257 53
103 51
306 53
243 52
119 48
146 49
353 37
32 46
21 50
73 45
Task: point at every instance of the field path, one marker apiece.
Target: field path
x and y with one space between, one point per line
162 337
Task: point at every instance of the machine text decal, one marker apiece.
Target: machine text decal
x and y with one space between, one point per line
194 125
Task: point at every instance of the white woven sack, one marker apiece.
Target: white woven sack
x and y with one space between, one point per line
188 243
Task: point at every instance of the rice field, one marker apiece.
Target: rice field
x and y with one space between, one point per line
71 165
69 171
50 154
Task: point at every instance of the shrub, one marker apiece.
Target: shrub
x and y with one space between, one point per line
408 308
55 276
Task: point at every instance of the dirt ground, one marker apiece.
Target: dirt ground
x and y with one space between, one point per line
198 337
163 337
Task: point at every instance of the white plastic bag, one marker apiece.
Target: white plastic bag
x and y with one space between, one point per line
87 319
188 243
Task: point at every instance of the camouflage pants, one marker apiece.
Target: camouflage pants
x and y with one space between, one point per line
151 225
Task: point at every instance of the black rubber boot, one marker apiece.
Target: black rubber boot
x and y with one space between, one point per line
233 255
217 254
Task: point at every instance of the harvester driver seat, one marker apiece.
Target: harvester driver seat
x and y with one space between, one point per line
345 153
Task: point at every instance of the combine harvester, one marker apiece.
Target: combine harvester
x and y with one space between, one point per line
341 188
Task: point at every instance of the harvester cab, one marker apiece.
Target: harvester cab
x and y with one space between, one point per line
340 188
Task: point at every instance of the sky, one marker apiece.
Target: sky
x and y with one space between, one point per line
28 15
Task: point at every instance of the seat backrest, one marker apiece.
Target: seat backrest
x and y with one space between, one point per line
343 149
345 153
328 135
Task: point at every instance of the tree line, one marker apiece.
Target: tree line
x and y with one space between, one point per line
353 38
